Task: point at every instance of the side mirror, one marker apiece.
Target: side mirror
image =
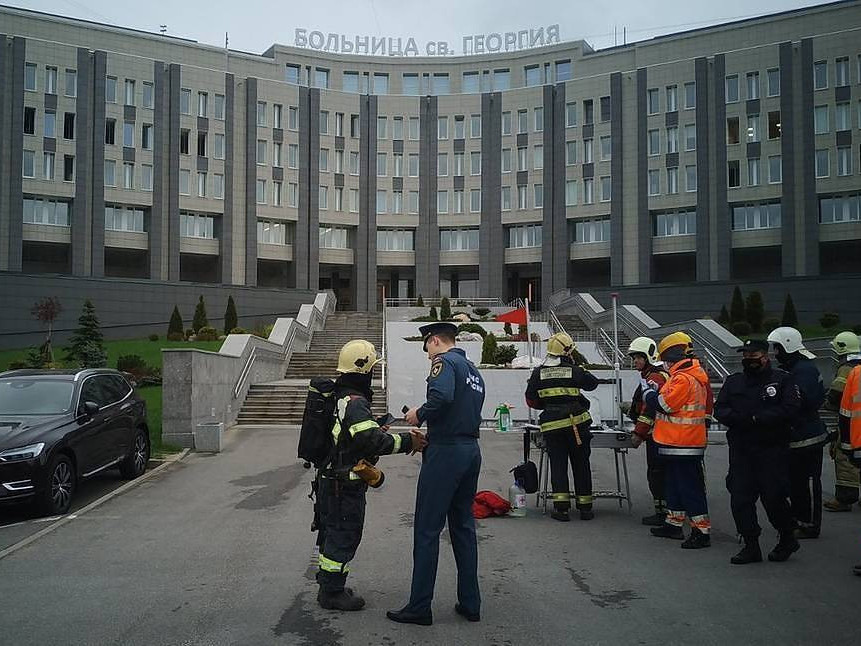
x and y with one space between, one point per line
89 408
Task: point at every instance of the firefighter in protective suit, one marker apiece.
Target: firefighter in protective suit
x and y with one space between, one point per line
555 388
848 350
644 355
358 441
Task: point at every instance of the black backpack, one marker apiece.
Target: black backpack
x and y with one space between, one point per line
316 444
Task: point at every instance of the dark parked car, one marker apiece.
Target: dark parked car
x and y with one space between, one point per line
59 427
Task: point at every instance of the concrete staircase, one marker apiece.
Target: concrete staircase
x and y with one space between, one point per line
283 402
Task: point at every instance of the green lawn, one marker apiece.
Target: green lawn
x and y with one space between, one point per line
149 351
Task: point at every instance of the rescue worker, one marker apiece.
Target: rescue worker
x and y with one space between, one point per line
846 487
644 355
807 431
449 476
758 405
849 423
555 388
341 490
680 436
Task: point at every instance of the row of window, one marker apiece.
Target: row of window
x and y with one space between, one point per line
842 118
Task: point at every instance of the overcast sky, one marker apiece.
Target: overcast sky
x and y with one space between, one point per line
254 25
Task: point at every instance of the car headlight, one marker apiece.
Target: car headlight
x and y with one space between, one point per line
22 453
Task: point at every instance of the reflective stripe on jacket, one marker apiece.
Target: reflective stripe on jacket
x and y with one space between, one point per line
556 389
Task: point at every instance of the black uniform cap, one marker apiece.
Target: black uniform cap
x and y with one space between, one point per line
427 331
754 345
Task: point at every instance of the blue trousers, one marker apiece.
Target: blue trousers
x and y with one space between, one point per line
685 487
447 484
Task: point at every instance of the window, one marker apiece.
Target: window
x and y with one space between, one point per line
292 117
506 160
524 236
381 127
588 112
397 201
570 153
733 174
506 123
753 133
690 179
261 152
324 123
844 161
753 174
50 129
184 181
146 180
48 166
261 113
570 114
277 159
653 100
129 176
571 193
185 101
538 196
842 117
442 127
732 131
410 84
29 121
69 168
470 83
841 72
563 71
381 164
292 155
414 202
321 78
538 157
690 96
354 163
756 216
195 225
820 75
111 173
505 198
273 232
691 137
293 194
522 160
395 240
458 239
130 92
129 134
587 231
413 165
822 163
69 125
475 200
539 119
672 180
261 191
501 80
773 79
752 85
732 89
219 106
820 119
522 121
72 83
339 198
442 201
219 146
588 191
775 169
675 224
587 151
30 77
414 128
442 164
673 140
397 128
672 98
350 82
381 83
522 198
839 208
654 142
118 218
654 182
606 148
774 124
324 160
50 80
147 138
41 211
533 75
475 126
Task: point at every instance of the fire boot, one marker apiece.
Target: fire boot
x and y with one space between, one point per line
586 512
668 531
341 600
836 505
856 570
560 514
655 520
750 553
697 540
784 548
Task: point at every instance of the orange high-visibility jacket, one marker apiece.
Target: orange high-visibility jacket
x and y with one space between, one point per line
680 423
850 415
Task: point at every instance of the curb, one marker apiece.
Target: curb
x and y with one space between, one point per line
93 505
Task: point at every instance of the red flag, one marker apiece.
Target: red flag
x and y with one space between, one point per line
515 317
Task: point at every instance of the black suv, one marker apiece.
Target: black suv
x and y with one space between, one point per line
58 427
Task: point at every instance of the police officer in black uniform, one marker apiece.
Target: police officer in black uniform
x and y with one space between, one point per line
342 488
449 476
759 405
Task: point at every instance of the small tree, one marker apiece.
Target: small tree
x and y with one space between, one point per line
176 328
754 311
47 311
433 314
488 349
723 319
200 319
86 346
444 309
230 318
790 318
420 302
736 309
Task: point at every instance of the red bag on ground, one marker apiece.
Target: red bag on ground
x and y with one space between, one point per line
489 503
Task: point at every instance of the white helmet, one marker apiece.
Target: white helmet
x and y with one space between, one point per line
790 339
645 346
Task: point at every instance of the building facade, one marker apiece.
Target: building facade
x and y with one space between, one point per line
725 153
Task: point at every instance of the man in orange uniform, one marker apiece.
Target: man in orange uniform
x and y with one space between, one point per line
850 423
680 435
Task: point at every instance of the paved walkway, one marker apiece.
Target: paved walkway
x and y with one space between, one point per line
216 550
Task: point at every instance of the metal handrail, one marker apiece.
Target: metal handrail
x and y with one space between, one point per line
383 354
470 302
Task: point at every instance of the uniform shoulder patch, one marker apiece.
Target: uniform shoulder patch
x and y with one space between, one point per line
436 368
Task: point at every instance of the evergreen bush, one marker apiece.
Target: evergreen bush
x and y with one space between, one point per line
231 320
790 318
200 319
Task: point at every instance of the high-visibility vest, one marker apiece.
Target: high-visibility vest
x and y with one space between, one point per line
680 427
850 411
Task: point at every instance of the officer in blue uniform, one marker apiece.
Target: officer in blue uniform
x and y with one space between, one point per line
449 476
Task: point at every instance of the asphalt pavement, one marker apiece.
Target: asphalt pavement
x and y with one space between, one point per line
216 549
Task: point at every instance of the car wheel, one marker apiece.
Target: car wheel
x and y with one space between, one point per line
135 463
60 487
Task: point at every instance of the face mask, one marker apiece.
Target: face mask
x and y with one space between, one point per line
751 366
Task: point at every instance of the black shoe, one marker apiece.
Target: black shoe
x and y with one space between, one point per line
404 616
655 520
697 540
471 616
560 516
587 514
341 600
668 531
784 548
750 553
857 570
806 532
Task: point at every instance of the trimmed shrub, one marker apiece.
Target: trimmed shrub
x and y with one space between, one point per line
723 318
207 333
505 354
444 309
754 311
189 333
472 327
488 349
507 329
175 336
422 319
420 302
200 319
134 365
771 323
736 309
238 330
153 337
481 311
433 314
230 318
741 328
829 320
790 318
175 326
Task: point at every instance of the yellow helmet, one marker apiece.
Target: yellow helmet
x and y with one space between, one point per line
645 346
560 344
846 343
359 356
674 339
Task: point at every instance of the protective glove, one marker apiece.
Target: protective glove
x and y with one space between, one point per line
625 407
636 440
646 385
